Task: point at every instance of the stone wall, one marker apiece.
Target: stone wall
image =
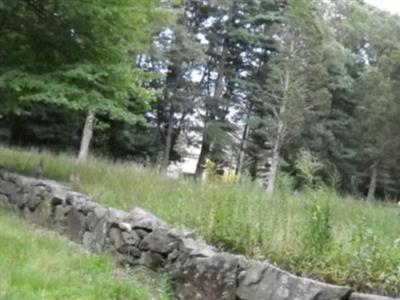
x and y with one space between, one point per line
197 270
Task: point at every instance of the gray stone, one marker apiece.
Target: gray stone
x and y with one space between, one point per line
76 224
4 201
100 211
140 218
196 248
70 199
81 202
38 207
182 233
8 188
87 241
100 235
21 200
91 221
262 281
130 251
151 260
116 216
159 241
59 194
131 238
37 196
205 278
356 296
141 232
60 213
125 226
84 205
116 237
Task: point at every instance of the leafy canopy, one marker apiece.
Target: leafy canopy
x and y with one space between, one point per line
78 54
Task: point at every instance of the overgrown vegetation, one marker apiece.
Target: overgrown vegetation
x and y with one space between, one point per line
37 264
300 96
250 84
315 232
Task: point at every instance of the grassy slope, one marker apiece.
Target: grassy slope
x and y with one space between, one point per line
40 265
316 233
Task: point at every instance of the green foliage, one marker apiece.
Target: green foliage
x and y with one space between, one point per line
308 167
256 79
314 233
318 235
82 60
41 265
211 169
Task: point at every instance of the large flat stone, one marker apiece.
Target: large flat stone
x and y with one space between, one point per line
60 213
116 237
76 224
99 235
262 281
140 218
159 241
205 278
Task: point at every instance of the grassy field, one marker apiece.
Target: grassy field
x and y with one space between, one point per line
36 264
316 233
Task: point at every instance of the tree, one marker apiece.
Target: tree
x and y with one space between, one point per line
377 118
362 124
77 55
178 54
234 34
285 89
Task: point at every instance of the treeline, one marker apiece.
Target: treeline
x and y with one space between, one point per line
252 83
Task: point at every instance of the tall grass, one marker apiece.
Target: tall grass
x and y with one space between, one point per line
41 265
315 233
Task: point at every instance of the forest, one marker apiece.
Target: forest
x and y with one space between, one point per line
286 110
254 85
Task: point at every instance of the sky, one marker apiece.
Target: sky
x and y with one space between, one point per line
389 5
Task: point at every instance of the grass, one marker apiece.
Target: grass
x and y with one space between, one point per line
316 233
36 264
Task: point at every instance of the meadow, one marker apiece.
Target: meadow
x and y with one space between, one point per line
315 233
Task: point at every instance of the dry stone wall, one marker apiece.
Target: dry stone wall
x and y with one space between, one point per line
197 270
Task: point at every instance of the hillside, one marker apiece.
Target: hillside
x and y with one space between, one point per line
316 233
37 264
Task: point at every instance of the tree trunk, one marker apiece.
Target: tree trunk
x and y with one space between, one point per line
372 183
281 128
274 168
87 135
168 140
205 150
243 144
218 92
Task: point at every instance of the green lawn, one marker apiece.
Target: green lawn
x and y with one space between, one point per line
317 233
36 264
